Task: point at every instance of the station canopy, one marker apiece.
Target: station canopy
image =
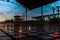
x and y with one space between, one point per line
32 4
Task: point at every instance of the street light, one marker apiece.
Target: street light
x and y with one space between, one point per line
53 5
53 9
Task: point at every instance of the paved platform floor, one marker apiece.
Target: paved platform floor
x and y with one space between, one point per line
3 36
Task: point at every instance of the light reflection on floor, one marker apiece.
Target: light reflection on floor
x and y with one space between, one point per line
20 31
21 35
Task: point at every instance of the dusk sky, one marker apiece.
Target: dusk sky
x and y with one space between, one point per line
9 9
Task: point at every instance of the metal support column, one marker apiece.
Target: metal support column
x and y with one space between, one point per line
42 11
26 21
42 18
26 14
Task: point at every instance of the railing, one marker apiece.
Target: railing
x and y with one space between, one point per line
46 34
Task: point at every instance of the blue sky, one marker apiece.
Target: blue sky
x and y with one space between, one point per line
47 9
10 9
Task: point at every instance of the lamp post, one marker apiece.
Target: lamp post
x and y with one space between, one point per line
58 10
53 9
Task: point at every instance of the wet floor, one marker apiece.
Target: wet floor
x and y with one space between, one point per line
11 35
3 36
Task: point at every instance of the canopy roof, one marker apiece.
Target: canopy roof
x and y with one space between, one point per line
32 4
